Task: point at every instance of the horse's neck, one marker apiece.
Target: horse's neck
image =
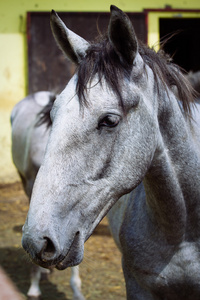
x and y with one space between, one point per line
172 182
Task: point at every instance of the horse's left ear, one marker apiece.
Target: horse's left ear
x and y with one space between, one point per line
73 46
122 35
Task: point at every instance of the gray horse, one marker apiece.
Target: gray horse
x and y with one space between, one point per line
31 126
125 123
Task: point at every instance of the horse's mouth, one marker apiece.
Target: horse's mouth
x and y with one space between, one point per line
75 254
69 261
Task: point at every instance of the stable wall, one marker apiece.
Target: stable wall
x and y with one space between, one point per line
13 52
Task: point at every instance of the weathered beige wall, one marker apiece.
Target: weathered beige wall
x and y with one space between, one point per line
12 89
13 55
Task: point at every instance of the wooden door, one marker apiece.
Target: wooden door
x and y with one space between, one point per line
48 69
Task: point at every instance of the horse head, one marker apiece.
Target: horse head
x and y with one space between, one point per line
103 139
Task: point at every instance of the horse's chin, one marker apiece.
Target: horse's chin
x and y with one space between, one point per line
74 256
69 261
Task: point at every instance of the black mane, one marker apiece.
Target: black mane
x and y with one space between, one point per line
102 60
44 115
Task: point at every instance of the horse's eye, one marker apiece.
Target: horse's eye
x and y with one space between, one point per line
109 121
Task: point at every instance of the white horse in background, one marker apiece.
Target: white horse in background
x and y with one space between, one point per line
31 126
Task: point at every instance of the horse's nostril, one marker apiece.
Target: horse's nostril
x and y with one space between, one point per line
48 250
77 233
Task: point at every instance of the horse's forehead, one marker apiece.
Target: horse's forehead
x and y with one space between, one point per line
99 85
101 93
66 97
97 93
70 90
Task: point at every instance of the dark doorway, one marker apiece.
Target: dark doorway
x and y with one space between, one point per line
48 69
184 44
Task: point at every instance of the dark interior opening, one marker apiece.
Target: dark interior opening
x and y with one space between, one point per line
184 44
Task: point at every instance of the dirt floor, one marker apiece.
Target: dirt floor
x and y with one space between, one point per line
101 272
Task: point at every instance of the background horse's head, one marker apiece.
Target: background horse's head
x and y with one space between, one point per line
103 139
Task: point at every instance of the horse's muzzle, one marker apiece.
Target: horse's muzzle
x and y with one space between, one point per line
47 254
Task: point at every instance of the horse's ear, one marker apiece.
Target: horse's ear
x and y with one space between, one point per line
122 35
73 46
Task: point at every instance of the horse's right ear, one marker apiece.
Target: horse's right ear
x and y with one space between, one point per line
122 35
73 46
